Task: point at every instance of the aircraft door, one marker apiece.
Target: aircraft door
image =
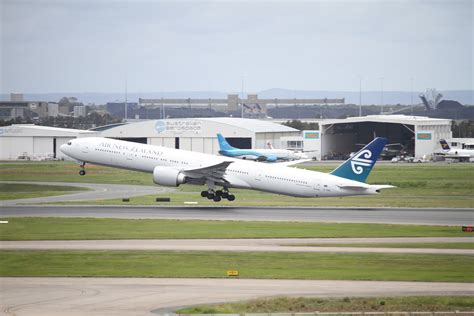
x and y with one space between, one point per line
129 158
85 148
317 189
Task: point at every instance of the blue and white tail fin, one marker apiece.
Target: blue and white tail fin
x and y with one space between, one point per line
223 144
358 167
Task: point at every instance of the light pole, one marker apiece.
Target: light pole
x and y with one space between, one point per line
242 96
126 96
381 95
360 96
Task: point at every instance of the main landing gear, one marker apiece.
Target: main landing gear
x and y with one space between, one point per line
218 195
82 172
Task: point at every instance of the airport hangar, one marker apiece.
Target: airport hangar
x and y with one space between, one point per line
195 134
418 134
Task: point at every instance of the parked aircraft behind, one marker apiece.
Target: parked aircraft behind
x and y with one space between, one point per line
461 154
172 167
268 155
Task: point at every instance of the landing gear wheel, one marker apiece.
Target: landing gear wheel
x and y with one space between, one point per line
216 198
219 193
82 172
225 195
231 197
204 193
210 195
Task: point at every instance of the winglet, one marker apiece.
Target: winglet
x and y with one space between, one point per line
358 167
223 144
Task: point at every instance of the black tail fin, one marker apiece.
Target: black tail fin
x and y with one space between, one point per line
444 145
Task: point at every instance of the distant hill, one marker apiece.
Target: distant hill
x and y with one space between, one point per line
465 97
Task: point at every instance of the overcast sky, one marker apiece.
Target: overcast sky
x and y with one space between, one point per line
92 46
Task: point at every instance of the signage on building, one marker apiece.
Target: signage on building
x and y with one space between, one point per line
311 135
162 126
423 136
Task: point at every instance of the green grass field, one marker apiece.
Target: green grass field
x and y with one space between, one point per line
12 191
335 305
418 185
439 245
260 265
57 228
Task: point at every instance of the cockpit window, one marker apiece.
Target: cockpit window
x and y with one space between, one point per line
69 143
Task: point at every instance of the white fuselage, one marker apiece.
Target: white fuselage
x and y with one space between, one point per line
468 153
272 178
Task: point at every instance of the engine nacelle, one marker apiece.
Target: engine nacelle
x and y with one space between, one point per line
168 176
272 158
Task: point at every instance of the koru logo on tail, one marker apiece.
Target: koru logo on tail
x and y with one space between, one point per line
361 160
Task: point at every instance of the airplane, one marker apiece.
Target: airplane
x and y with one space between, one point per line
461 154
267 155
173 167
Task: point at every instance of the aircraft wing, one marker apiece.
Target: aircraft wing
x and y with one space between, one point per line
212 172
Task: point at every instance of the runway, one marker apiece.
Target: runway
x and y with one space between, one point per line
426 216
141 296
241 245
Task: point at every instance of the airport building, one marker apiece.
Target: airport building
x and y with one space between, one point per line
28 141
335 139
417 135
199 134
195 134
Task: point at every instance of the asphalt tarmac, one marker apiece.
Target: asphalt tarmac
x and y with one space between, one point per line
149 296
426 216
239 245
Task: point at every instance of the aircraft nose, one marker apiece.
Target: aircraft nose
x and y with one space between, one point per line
65 148
62 148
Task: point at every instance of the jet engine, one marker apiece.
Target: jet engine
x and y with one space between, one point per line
168 176
272 158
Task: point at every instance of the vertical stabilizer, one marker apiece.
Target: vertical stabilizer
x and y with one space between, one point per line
358 167
444 145
223 144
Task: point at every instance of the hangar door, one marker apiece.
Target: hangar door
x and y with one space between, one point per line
44 146
339 140
240 142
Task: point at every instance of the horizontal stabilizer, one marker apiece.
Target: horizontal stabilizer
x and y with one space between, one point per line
382 186
293 162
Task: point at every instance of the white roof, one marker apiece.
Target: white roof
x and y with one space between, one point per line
254 125
187 128
399 119
37 130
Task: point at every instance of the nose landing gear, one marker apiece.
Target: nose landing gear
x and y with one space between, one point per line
82 172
